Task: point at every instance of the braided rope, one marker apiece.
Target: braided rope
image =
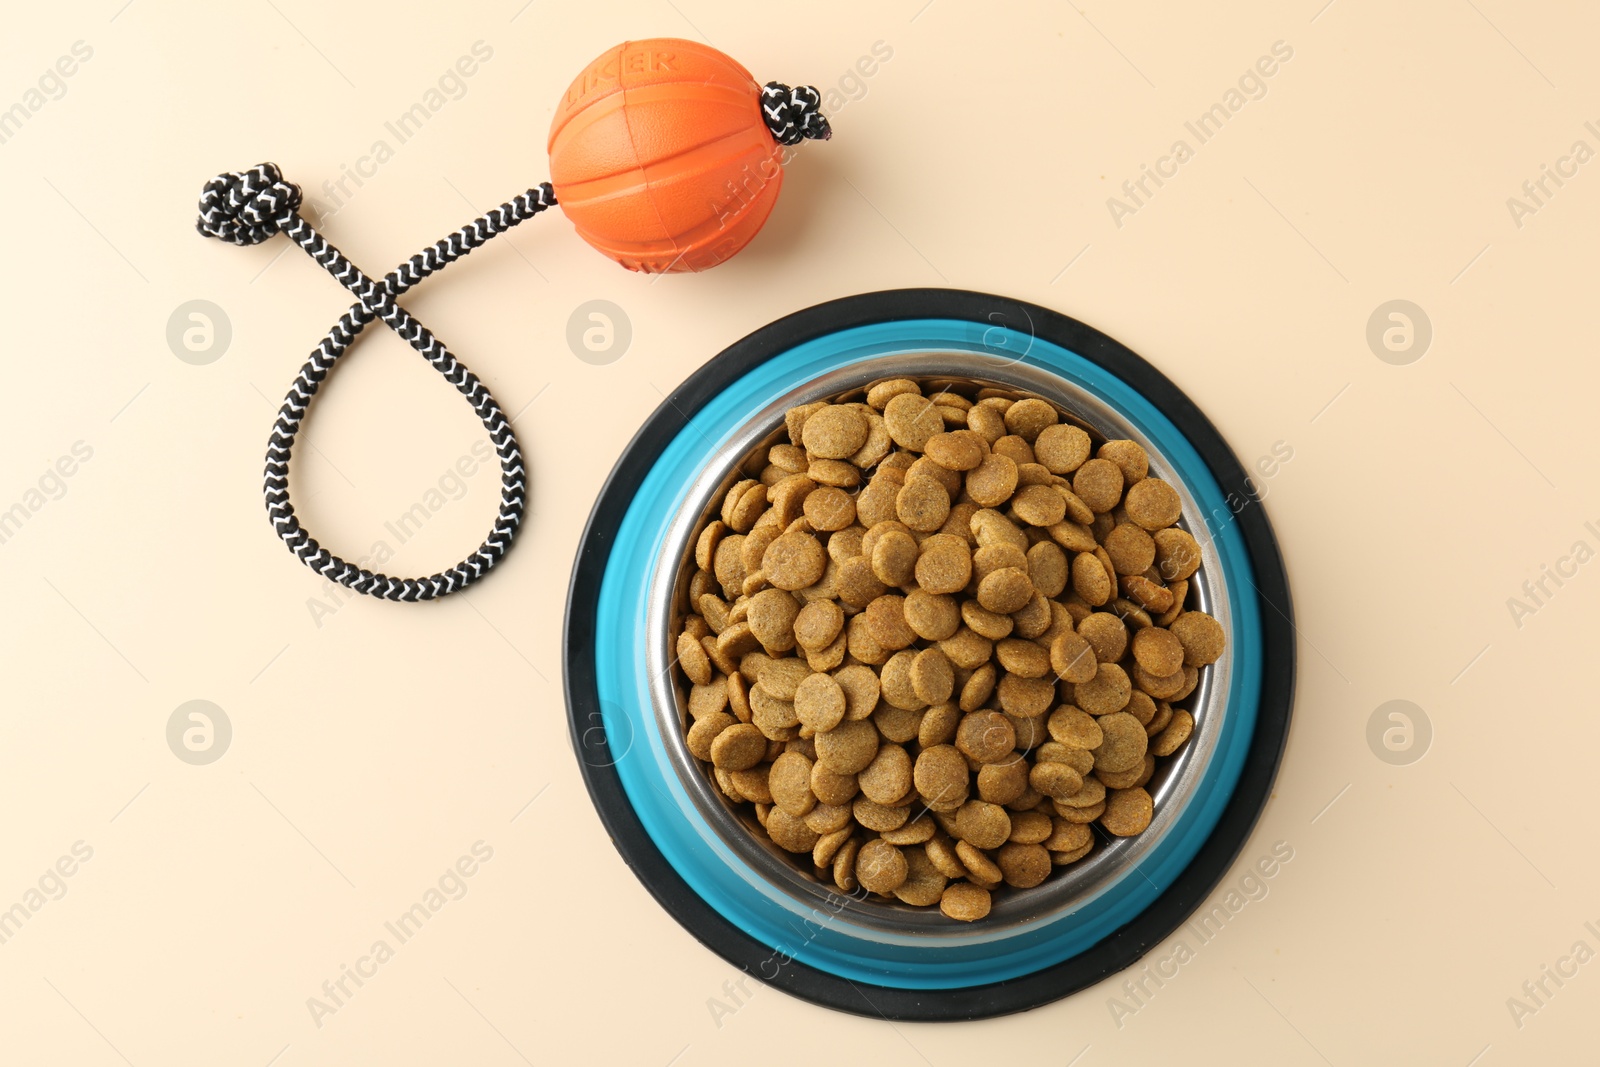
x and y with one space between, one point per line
794 114
247 207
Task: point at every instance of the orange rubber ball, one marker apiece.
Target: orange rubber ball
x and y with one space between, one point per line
660 157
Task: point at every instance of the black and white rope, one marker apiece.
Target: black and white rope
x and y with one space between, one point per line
794 114
249 206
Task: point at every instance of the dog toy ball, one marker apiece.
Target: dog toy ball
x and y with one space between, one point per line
666 156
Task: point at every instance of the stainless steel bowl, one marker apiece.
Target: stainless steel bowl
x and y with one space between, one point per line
1112 860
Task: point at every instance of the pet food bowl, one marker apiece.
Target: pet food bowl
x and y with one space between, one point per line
762 909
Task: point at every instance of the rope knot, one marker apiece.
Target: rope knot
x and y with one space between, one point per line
245 207
794 114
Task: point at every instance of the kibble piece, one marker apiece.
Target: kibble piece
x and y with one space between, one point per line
986 736
888 777
1089 579
983 825
931 616
964 902
819 702
1153 504
990 528
1028 418
924 884
787 497
1129 456
771 617
878 444
835 432
959 450
1202 637
827 818
1158 651
1174 735
1106 634
1023 658
738 747
692 658
981 870
1092 793
938 725
861 644
875 503
790 783
1055 780
923 504
859 683
1131 549
794 561
1068 836
1073 658
856 583
778 678
1098 483
708 698
880 866
944 565
898 725
880 394
844 866
790 833
978 689
992 481
1177 554
1075 728
895 682
941 778
1127 812
850 746
1004 782
1047 568
1108 691
1154 716
1023 865
1039 505
1062 448
894 557
831 787
1148 595
1005 590
932 677
967 650
829 508
705 731
1128 779
916 832
987 624
749 784
912 421
886 618
846 543
1026 697
879 817
1030 828
818 624
1124 743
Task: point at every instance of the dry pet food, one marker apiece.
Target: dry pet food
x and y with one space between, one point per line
935 644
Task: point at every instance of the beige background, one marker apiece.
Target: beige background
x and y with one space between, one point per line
374 744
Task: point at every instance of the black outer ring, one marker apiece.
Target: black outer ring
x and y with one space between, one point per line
1127 944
